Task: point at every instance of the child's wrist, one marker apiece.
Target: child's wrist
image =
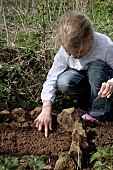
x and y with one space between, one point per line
46 108
47 104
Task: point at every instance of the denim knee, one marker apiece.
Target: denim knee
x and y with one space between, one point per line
98 63
98 72
63 82
103 67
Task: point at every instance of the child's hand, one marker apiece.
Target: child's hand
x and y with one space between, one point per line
44 119
106 89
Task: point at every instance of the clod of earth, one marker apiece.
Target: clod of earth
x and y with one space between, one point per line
65 162
4 115
19 114
34 113
47 167
67 118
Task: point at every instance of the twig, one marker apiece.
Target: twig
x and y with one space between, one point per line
1 6
20 18
7 36
78 160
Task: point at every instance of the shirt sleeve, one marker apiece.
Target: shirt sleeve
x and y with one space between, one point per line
59 65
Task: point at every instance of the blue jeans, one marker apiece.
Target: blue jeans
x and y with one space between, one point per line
84 85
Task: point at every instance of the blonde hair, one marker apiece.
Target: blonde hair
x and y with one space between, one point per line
74 31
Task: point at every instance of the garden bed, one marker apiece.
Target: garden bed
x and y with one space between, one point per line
22 138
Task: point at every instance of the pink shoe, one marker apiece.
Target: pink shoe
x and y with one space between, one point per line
80 111
88 117
85 116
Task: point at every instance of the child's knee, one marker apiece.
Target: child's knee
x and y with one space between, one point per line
63 83
97 64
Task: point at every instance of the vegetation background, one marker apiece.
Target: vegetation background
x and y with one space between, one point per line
28 45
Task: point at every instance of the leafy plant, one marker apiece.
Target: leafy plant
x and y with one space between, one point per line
10 163
35 162
103 158
19 80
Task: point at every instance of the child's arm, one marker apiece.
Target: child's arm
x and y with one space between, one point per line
59 65
106 89
45 118
48 92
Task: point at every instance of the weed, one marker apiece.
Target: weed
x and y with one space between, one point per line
35 161
10 163
103 158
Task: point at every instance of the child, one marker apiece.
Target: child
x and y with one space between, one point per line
82 68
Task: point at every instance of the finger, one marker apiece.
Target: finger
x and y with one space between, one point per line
37 124
36 120
108 96
50 126
46 130
107 89
110 91
102 88
40 127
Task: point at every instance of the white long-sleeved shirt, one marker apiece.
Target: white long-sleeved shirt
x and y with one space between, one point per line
102 49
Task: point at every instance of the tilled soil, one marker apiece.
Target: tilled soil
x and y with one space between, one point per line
99 135
18 139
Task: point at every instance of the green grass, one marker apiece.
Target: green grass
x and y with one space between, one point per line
102 17
32 27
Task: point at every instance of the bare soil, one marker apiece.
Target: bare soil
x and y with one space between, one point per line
18 139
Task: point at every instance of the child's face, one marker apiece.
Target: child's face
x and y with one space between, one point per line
80 53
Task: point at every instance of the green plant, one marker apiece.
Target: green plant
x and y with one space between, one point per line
35 162
10 163
103 158
20 79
